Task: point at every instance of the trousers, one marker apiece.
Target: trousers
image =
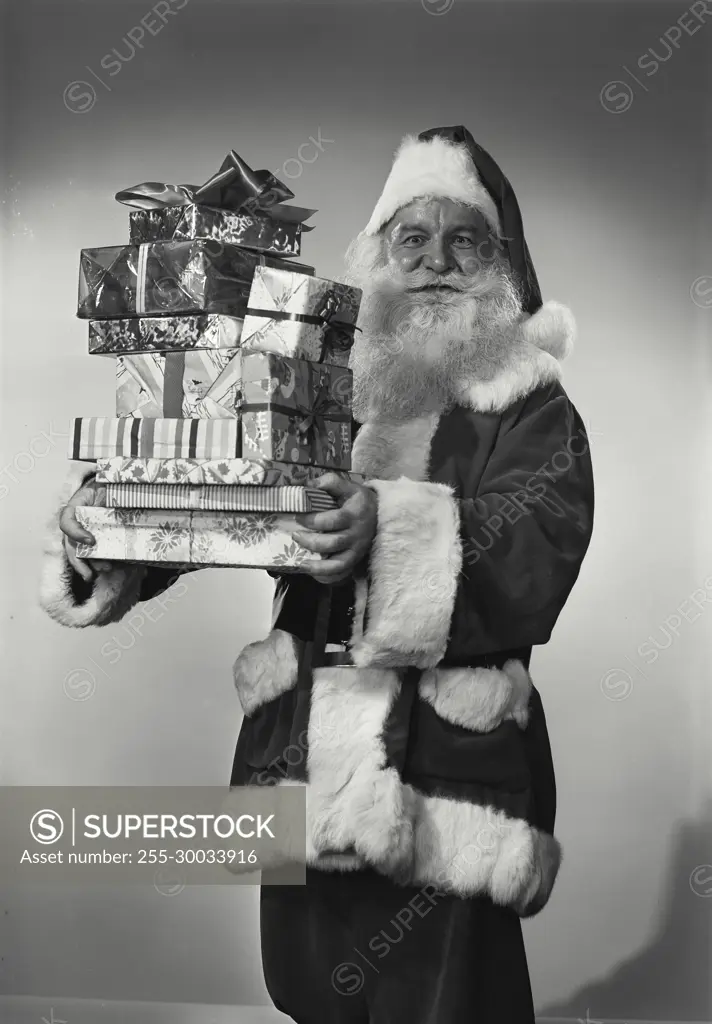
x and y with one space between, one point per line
356 948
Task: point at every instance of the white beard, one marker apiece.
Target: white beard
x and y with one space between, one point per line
417 351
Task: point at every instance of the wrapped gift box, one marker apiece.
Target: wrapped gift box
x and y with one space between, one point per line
260 540
167 278
298 315
165 333
240 498
252 231
224 472
128 535
94 437
293 410
171 384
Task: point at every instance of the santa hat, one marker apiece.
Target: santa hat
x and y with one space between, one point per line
447 163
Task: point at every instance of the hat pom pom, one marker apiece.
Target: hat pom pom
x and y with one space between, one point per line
552 328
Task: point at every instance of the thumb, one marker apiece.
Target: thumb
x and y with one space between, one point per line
337 486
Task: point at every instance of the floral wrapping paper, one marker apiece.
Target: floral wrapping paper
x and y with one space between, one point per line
223 472
280 294
248 498
96 437
167 278
141 334
168 385
259 540
178 223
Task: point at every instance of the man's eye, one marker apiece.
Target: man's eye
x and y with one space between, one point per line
413 240
462 241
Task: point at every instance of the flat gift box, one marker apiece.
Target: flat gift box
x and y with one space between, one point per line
167 384
167 278
298 315
259 540
252 231
142 334
95 437
223 472
240 498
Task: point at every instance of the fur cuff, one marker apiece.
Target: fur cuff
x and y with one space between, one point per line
265 669
402 614
479 698
112 593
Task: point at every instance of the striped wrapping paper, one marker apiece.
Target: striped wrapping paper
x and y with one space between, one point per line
222 472
97 437
219 498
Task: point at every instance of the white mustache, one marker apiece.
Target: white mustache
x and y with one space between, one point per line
423 278
486 282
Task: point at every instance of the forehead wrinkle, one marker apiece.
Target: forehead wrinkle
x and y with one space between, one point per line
429 214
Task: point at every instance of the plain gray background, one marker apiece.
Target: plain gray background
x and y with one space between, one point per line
615 188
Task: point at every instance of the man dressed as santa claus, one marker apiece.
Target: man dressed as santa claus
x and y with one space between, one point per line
395 681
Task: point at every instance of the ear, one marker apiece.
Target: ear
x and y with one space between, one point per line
552 328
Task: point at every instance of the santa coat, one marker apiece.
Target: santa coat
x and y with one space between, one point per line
428 757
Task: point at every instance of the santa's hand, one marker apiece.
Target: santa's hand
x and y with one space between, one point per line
343 535
88 494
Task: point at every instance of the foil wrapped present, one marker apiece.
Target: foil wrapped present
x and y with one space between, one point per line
259 540
198 472
94 437
249 230
168 384
236 204
304 316
143 334
230 498
167 278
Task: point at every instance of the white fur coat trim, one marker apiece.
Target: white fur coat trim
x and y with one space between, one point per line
479 698
114 593
386 449
545 338
435 168
413 569
359 812
468 849
355 801
265 669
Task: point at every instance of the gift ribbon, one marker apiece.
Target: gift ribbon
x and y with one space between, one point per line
314 422
235 186
141 271
310 421
339 334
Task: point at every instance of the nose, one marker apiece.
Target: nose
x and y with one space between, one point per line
437 257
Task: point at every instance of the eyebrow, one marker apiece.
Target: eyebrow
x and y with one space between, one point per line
414 226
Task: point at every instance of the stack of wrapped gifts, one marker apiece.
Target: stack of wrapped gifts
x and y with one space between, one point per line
233 393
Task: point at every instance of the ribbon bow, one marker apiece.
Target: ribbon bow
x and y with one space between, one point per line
234 187
338 337
312 424
338 334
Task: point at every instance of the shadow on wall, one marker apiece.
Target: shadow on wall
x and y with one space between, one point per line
674 970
